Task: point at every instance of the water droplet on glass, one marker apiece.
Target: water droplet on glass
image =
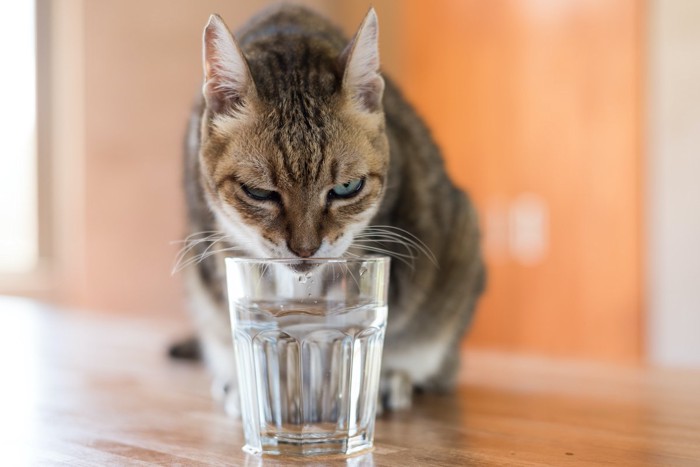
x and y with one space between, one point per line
303 278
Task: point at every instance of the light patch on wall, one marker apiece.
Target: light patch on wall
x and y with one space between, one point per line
517 230
528 232
18 179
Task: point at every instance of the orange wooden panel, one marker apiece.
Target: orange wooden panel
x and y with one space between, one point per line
542 97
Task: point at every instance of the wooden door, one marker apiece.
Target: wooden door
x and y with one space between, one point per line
537 106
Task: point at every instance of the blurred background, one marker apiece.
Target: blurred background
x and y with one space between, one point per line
573 124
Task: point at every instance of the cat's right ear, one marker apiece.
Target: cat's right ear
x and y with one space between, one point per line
227 78
361 78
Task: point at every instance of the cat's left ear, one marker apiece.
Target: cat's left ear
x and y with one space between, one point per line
361 78
227 78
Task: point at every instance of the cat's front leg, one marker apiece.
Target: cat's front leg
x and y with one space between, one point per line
219 356
395 391
214 338
226 393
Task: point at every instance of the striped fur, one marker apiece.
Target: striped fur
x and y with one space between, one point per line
311 112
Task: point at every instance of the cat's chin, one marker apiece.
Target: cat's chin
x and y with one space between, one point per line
303 267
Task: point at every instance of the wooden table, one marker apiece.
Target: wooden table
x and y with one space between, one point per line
88 389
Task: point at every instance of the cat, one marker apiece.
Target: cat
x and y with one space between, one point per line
299 147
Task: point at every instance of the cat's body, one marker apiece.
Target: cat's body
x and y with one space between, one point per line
320 122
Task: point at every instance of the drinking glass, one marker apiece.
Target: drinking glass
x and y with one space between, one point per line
308 337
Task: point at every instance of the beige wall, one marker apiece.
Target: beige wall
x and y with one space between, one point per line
129 74
673 218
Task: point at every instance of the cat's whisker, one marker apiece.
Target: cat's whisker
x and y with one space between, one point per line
266 267
191 241
383 238
401 234
389 239
365 243
374 244
180 258
220 250
204 255
397 231
195 234
399 256
405 234
347 268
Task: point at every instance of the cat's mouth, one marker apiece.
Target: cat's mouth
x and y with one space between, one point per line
303 267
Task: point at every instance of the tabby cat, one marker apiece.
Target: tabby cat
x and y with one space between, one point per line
300 148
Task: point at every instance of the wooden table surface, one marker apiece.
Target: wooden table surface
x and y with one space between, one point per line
88 389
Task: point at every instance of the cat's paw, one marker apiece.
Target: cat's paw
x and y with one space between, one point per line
395 392
232 404
219 388
226 393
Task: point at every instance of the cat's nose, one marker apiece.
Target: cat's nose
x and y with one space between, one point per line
303 251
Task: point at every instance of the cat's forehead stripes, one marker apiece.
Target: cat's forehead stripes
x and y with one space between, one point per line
281 67
300 140
300 84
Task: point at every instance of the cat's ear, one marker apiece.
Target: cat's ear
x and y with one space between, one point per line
227 78
361 78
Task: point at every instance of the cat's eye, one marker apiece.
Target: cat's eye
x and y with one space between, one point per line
259 194
347 190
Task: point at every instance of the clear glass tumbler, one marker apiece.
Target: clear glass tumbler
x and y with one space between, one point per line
308 337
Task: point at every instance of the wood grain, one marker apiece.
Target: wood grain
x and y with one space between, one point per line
81 390
542 98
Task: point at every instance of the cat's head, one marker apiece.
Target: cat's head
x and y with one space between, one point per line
294 155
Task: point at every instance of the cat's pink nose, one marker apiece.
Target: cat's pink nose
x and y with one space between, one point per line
302 251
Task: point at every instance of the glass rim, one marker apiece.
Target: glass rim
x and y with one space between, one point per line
359 259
